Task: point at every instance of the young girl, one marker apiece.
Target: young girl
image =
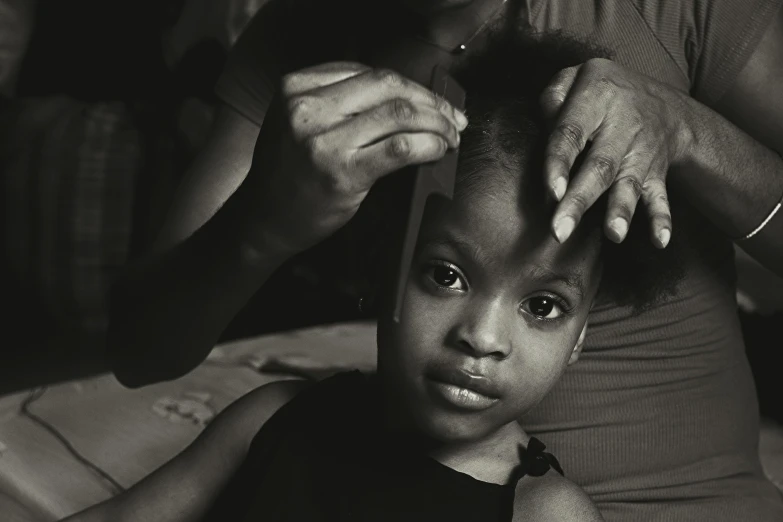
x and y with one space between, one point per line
493 314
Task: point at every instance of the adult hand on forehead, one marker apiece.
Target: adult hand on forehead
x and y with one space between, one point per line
636 134
333 131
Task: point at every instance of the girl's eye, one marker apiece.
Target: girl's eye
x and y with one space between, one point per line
446 277
543 307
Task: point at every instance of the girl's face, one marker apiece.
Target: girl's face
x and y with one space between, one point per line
493 310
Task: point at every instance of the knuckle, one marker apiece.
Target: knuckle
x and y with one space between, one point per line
402 110
572 134
553 94
656 182
635 121
604 84
633 184
558 79
663 197
388 78
605 168
299 108
580 202
558 158
399 147
663 216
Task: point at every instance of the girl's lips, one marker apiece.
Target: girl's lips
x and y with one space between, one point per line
462 398
463 389
478 383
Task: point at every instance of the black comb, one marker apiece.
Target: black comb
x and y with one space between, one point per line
431 178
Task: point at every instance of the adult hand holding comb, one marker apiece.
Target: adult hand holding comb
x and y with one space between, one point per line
334 130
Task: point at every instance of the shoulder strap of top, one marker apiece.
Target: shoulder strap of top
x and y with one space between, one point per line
534 461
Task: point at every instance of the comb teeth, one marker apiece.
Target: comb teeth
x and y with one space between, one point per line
433 178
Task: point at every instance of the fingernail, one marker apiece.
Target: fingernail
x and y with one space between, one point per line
559 187
664 236
620 227
564 227
462 120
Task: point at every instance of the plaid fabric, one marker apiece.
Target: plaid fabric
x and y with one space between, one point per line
68 170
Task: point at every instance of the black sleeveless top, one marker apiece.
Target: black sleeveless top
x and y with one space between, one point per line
322 457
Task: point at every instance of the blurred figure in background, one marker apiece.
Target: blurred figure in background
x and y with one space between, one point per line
15 27
105 104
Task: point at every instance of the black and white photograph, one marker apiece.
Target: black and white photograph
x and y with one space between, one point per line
391 260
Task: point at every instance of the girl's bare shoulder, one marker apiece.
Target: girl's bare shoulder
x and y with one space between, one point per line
552 497
244 417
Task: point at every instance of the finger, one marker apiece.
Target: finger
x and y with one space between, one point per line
656 199
553 96
623 198
579 117
318 76
394 117
396 152
596 174
378 86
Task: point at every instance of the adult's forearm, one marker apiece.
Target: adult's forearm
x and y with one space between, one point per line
734 180
168 310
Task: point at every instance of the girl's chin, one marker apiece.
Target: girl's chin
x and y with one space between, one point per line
447 428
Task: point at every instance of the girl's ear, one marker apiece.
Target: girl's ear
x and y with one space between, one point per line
579 344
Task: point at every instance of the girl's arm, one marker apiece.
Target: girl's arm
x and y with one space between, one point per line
185 487
552 498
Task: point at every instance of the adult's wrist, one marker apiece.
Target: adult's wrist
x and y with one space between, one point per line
688 133
734 180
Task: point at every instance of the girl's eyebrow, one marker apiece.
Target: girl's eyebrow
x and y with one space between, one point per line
573 279
474 251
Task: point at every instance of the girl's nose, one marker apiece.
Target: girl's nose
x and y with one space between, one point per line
485 329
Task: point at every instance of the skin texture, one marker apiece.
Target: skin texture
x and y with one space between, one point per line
553 498
339 144
640 128
630 160
489 295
